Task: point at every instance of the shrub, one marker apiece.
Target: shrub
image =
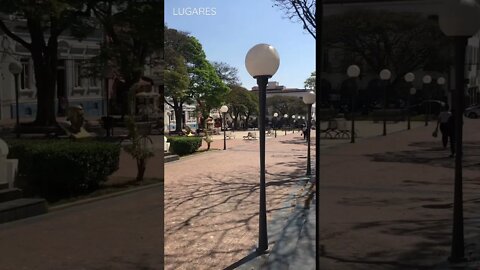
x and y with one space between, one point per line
60 169
184 145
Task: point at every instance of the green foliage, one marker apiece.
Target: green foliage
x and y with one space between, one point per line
226 73
401 42
176 78
241 102
140 148
60 169
205 86
287 105
310 82
44 22
184 145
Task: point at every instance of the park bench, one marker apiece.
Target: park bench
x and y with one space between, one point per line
337 129
230 135
250 136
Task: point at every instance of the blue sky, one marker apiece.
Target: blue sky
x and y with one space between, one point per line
236 26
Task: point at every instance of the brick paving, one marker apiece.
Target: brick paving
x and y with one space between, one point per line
398 193
211 199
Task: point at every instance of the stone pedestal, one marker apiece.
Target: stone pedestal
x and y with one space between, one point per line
8 167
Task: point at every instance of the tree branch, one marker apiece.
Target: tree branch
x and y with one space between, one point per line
13 36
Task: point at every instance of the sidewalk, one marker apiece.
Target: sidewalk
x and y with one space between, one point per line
386 202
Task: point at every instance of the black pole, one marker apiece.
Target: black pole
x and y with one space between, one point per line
352 138
408 111
275 126
309 166
427 105
107 120
17 129
263 235
224 133
385 108
457 252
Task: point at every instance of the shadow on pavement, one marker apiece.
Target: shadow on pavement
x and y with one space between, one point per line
433 154
213 219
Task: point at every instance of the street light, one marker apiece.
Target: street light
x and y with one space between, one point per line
459 20
409 77
413 91
353 71
224 110
385 75
309 99
275 115
427 79
15 68
285 118
293 124
262 61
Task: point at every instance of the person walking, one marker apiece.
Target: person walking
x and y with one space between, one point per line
446 124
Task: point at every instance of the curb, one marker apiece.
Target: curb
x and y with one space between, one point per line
102 197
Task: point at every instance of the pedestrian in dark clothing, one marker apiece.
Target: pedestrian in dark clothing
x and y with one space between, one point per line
447 128
442 122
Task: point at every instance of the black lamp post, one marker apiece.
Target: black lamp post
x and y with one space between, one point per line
309 99
353 71
285 119
427 79
412 92
459 20
409 77
224 110
262 61
385 75
15 68
275 115
293 124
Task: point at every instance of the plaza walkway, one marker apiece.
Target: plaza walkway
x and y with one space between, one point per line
386 202
211 199
124 232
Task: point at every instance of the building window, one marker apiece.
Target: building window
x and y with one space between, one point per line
25 74
77 73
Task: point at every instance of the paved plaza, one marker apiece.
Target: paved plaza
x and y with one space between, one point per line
398 193
211 199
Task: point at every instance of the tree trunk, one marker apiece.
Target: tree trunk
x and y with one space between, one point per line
141 166
45 69
178 109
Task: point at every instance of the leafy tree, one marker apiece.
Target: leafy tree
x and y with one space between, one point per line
45 22
287 105
300 10
176 84
241 102
129 43
401 42
205 87
228 74
310 82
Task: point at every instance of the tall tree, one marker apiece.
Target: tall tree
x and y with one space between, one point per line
176 85
128 42
205 87
287 105
227 73
241 102
310 82
401 42
300 10
45 22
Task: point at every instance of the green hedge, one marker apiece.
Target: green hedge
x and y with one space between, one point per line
57 169
182 145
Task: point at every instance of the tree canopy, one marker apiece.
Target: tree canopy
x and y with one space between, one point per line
402 42
287 105
205 86
300 10
45 22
